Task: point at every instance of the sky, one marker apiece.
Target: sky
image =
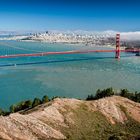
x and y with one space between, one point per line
95 15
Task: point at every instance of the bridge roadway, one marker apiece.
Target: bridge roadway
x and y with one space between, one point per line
66 52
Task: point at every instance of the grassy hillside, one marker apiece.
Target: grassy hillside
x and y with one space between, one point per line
95 126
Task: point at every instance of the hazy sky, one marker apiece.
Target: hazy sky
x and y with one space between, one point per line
120 15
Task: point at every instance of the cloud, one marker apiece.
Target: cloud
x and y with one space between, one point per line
130 35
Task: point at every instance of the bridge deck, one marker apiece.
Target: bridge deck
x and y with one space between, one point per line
66 52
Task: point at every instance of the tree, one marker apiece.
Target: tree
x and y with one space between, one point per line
101 94
127 94
36 102
90 97
45 99
109 91
104 93
12 109
1 112
21 106
137 97
124 92
27 104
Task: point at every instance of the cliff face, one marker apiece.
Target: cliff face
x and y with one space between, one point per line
74 119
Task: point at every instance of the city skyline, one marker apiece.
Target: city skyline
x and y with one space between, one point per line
70 15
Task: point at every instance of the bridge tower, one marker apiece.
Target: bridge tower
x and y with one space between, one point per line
117 46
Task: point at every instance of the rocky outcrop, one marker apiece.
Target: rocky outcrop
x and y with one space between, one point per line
51 120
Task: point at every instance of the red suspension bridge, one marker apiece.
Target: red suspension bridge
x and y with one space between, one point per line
117 51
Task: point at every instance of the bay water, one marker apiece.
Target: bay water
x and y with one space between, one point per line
71 75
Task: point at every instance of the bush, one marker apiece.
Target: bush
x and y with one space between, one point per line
24 105
132 96
126 93
12 108
109 92
101 94
21 106
104 93
36 102
90 97
27 104
137 97
1 112
45 99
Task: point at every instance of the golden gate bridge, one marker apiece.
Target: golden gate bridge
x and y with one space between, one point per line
116 51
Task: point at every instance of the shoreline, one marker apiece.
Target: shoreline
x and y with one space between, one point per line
82 44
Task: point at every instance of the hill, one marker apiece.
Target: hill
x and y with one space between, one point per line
107 118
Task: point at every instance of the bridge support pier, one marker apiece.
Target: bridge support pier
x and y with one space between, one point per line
117 56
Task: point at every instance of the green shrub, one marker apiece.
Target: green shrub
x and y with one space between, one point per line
132 96
45 99
104 93
21 106
36 102
109 92
2 112
12 108
90 97
101 94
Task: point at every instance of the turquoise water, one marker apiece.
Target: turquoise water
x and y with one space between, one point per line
73 75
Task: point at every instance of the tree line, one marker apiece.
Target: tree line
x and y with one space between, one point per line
28 104
110 92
